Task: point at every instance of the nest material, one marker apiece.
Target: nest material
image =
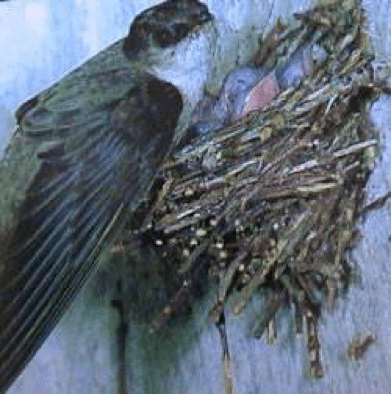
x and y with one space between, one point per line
273 201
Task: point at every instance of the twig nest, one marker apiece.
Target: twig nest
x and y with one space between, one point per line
275 201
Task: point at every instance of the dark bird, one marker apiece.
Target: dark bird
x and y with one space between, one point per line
84 155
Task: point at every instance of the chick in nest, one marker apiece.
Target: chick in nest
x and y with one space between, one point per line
249 88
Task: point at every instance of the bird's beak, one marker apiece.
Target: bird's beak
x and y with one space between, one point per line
206 17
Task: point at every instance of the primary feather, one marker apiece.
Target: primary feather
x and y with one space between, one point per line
101 134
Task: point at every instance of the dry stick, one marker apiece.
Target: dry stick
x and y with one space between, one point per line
313 345
221 327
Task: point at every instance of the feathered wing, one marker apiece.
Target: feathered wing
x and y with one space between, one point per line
108 130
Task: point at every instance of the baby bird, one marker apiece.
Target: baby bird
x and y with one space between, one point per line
248 88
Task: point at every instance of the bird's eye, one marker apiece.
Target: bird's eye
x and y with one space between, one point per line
181 30
164 37
171 35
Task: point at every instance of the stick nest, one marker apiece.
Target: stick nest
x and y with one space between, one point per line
273 200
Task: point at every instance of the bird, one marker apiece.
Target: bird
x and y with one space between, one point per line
86 152
249 88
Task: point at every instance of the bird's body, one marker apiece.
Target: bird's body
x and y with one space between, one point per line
84 155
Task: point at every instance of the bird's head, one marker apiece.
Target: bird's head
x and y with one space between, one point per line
176 40
164 26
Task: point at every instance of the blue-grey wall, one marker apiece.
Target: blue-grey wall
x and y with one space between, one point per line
40 40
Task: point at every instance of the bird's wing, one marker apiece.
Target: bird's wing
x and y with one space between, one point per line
104 131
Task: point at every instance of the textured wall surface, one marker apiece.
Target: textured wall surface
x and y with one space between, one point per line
43 39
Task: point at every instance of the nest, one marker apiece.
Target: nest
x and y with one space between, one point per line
273 200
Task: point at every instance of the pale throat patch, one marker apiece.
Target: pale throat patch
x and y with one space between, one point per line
189 64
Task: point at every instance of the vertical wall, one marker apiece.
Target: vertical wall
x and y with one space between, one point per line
41 40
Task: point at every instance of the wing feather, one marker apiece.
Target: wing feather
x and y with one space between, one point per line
105 129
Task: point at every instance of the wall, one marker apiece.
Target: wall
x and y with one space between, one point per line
43 39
